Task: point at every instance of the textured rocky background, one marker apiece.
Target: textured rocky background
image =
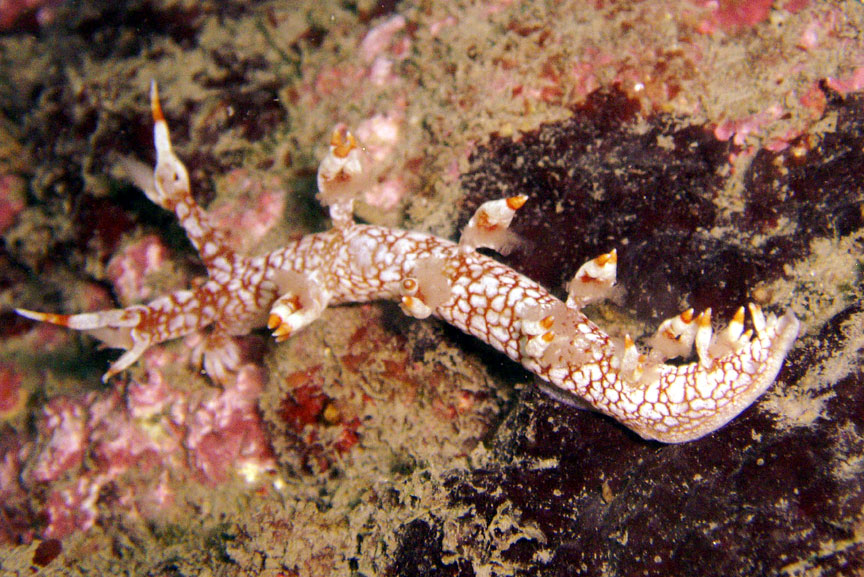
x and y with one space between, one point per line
719 146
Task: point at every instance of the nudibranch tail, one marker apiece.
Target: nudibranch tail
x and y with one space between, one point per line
290 287
678 403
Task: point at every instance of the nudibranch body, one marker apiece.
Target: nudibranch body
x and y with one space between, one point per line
290 287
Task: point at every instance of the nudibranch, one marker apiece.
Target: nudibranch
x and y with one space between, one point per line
289 288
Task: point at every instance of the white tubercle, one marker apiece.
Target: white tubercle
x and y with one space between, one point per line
593 281
340 176
488 227
674 337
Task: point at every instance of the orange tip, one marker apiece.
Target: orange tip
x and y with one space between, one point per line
343 142
516 202
155 106
609 257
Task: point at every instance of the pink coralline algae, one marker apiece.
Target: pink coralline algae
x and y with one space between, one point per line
63 426
379 50
14 12
383 39
256 206
11 395
17 526
11 200
129 268
820 28
382 47
123 437
381 135
72 508
731 15
739 130
852 82
225 432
